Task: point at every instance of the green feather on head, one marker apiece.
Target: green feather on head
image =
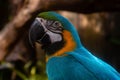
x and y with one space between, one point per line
51 15
48 15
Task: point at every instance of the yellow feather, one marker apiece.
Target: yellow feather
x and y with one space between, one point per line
69 45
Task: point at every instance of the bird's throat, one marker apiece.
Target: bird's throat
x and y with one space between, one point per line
69 45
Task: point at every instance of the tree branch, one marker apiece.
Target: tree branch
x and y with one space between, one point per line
82 6
14 29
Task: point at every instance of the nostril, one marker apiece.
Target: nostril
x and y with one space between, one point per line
41 20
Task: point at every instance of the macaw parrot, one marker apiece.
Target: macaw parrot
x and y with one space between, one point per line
66 57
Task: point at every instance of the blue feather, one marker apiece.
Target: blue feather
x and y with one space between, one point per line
77 66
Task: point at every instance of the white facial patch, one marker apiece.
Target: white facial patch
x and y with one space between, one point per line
54 37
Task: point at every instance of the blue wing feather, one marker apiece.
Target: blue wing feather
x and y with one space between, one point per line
80 65
67 68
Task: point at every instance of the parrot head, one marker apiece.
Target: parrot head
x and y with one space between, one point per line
54 32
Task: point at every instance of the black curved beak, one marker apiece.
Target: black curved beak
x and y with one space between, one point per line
36 31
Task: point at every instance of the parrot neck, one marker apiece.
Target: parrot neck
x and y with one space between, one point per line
69 45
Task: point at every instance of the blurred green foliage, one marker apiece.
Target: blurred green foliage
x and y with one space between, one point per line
36 72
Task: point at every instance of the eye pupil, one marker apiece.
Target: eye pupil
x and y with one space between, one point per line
56 23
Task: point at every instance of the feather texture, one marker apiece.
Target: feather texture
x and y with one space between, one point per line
77 66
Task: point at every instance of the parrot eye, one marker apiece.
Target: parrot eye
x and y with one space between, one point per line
56 26
53 26
56 23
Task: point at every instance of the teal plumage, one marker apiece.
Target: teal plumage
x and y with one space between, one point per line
77 66
79 63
